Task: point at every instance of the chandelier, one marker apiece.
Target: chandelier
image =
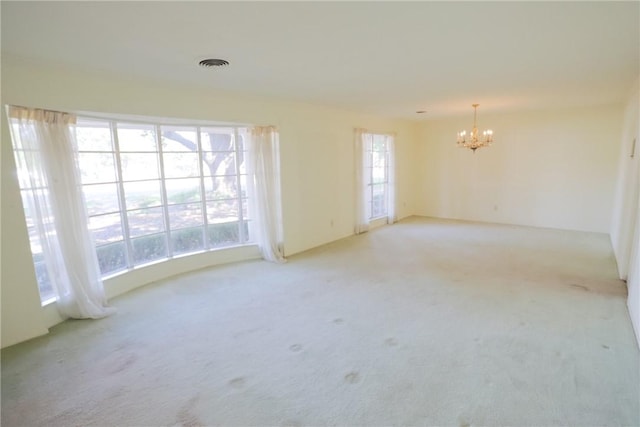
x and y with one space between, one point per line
475 140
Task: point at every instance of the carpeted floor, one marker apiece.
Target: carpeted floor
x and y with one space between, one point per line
426 322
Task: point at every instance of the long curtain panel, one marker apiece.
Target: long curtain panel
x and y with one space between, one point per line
362 142
46 154
264 152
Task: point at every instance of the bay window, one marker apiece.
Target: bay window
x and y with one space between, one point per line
154 191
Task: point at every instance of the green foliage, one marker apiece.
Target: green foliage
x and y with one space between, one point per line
149 248
187 240
223 234
185 196
147 201
111 257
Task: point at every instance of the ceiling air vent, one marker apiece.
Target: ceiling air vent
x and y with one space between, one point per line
207 63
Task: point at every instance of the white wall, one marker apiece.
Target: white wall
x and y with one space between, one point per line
552 168
316 148
625 225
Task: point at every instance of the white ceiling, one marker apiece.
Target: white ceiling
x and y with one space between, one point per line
389 58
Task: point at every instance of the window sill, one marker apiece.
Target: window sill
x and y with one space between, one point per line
119 273
377 222
48 301
141 275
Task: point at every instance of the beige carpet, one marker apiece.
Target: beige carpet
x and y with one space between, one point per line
425 322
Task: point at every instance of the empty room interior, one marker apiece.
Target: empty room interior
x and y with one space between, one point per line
320 213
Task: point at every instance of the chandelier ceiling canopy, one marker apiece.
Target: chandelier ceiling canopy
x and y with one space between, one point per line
474 139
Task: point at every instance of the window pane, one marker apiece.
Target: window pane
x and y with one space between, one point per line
179 139
221 187
31 228
96 167
219 163
247 237
223 234
111 258
143 194
187 240
217 139
378 201
181 165
243 185
29 196
222 211
149 248
187 215
379 175
378 160
106 228
134 137
139 166
93 136
379 143
25 179
145 221
183 190
45 286
245 209
242 157
101 198
48 225
242 137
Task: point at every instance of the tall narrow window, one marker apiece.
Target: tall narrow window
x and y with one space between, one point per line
378 185
183 182
374 178
225 184
100 184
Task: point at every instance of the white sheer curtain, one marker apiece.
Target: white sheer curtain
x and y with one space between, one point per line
265 164
362 143
46 151
391 186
